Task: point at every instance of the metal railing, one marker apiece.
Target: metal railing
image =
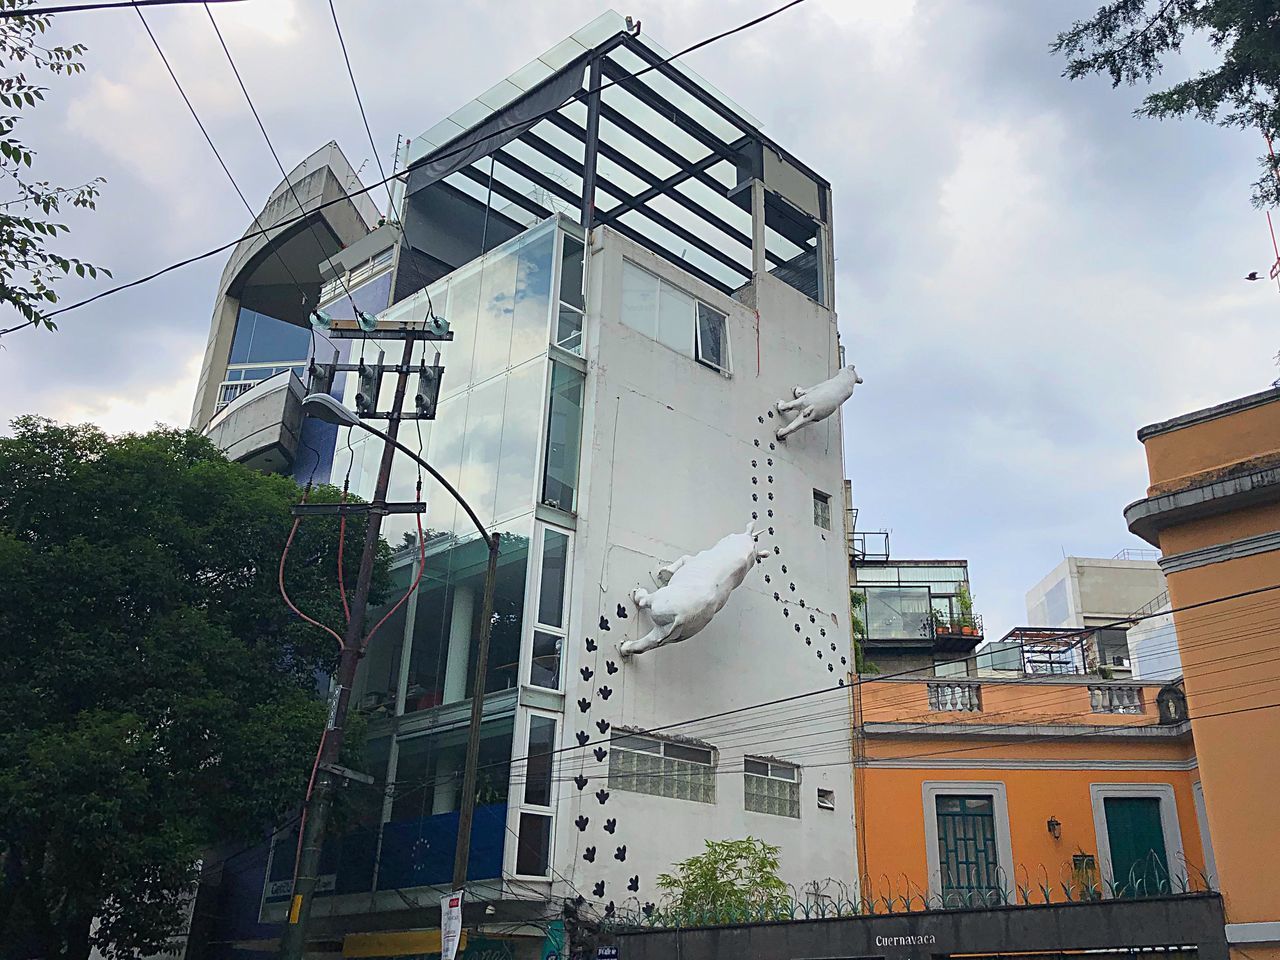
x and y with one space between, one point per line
954 696
1137 553
956 625
228 390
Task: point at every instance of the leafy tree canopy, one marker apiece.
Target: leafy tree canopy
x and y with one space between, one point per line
156 695
1130 40
29 268
729 881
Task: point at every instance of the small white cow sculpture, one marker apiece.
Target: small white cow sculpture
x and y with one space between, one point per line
693 590
820 401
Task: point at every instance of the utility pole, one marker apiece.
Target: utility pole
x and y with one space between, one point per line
316 809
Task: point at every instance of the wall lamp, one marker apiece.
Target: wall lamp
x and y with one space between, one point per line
1055 828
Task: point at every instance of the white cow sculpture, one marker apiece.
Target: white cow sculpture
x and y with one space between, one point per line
693 590
818 402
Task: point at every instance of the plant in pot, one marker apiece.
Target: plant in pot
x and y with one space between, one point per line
964 601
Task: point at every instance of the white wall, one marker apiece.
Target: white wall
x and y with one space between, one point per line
668 447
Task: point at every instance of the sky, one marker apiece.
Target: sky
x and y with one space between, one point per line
1026 273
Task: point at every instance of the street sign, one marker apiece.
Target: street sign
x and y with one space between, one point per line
450 924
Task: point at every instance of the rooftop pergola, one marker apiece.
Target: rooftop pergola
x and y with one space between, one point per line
662 158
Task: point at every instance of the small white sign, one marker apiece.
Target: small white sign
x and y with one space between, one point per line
450 924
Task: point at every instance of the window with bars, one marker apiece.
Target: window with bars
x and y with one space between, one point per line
771 787
968 860
662 768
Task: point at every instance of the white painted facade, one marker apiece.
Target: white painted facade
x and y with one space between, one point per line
667 469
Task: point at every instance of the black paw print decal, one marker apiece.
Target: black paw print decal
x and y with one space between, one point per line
598 889
584 704
609 908
610 825
604 624
591 645
602 726
600 754
621 854
587 673
605 693
610 667
622 612
634 884
602 795
647 909
580 782
581 823
589 854
583 738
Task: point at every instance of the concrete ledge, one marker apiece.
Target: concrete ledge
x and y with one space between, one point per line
1267 931
1210 413
1147 517
1149 731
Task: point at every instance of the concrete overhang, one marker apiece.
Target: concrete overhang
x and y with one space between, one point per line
1148 517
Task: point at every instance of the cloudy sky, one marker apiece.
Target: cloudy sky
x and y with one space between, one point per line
1027 273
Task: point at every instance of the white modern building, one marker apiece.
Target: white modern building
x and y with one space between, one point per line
633 280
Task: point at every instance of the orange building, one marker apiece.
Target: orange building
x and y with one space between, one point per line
1019 789
1213 509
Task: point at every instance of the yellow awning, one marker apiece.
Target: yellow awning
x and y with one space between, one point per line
395 943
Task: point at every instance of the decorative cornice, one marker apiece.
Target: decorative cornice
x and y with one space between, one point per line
1064 731
1218 553
958 763
1147 517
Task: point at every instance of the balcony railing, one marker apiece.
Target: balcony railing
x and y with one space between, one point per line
228 390
956 625
1116 699
955 697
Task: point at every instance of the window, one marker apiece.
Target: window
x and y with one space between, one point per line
674 318
564 429
898 613
712 348
771 787
261 339
662 768
826 799
533 840
549 630
967 843
968 862
822 510
568 333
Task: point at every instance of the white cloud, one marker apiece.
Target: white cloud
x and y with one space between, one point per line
167 404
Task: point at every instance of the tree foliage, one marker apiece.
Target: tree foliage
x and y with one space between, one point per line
857 604
29 267
1129 41
155 693
728 881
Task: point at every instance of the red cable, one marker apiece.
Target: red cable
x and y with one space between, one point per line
422 566
342 536
280 579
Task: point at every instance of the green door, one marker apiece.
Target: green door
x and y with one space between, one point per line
1139 857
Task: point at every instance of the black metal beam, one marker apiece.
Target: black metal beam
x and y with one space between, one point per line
688 236
507 193
648 244
592 144
630 127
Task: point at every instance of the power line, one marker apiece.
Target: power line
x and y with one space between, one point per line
81 7
439 155
355 88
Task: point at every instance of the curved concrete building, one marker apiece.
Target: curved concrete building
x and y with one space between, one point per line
271 282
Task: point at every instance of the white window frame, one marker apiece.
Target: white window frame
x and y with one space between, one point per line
1098 792
520 773
727 369
619 735
695 346
770 764
931 790
558 303
535 603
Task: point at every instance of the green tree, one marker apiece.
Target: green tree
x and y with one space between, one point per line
1129 41
731 880
156 695
29 268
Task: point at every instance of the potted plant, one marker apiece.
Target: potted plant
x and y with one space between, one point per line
964 601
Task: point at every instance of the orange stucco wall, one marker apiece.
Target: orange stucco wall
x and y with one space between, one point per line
1178 454
891 810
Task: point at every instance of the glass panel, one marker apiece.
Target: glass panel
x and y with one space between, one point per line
675 319
521 420
639 300
532 298
555 555
372 296
478 480
545 670
678 751
569 330
571 269
758 767
260 338
563 437
897 613
378 677
712 348
493 321
533 855
508 614
542 742
821 510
